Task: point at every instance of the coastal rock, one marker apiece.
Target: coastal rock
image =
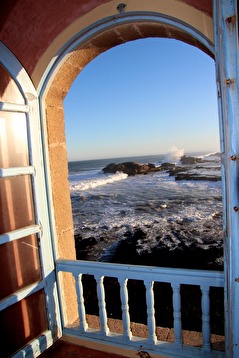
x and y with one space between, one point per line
197 173
186 254
130 168
194 176
179 172
83 246
168 166
190 160
175 170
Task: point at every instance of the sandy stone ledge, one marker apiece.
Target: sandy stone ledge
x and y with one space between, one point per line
164 334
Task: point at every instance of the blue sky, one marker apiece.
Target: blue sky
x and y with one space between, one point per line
140 98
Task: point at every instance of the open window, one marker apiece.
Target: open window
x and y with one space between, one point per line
28 307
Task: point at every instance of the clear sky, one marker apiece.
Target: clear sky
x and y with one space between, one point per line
143 97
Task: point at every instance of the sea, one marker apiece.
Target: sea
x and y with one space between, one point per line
109 208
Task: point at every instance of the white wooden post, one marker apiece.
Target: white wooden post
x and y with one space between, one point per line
206 318
226 56
125 308
152 338
102 306
80 300
177 315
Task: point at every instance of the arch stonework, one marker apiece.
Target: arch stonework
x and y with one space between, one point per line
77 51
197 14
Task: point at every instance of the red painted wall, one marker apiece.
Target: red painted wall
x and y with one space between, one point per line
32 25
28 27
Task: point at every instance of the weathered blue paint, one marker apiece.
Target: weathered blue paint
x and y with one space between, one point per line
226 56
13 172
19 233
36 347
36 171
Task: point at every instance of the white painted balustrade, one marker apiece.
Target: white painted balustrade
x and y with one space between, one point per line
149 275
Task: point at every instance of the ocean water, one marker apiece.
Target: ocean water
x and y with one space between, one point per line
109 208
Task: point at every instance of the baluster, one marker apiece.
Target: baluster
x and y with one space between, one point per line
177 316
80 300
152 338
102 307
125 308
206 318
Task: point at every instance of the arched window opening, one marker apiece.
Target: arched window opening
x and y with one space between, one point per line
151 102
147 101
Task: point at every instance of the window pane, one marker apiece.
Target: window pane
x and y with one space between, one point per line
16 204
13 143
20 265
9 91
21 323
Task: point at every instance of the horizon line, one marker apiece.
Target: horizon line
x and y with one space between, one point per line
146 155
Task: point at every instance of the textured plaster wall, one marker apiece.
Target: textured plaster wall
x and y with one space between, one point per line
60 193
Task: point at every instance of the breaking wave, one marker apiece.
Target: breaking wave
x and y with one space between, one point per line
174 155
94 182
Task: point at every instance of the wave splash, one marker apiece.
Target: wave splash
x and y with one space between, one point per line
92 183
174 155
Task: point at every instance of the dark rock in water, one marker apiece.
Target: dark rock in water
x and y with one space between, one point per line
175 170
133 168
187 160
83 245
197 173
190 160
182 256
194 176
126 251
168 166
180 173
130 168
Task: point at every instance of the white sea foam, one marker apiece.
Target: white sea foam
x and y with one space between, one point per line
210 156
97 181
174 155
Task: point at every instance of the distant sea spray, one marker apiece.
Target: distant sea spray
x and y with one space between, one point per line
174 155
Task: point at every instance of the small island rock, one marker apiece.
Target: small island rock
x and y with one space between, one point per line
130 168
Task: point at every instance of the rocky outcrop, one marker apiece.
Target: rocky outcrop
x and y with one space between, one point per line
195 176
190 160
186 254
130 168
185 172
187 160
167 166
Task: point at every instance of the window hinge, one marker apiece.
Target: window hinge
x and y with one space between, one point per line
40 233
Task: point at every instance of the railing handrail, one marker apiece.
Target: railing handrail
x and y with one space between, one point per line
163 274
